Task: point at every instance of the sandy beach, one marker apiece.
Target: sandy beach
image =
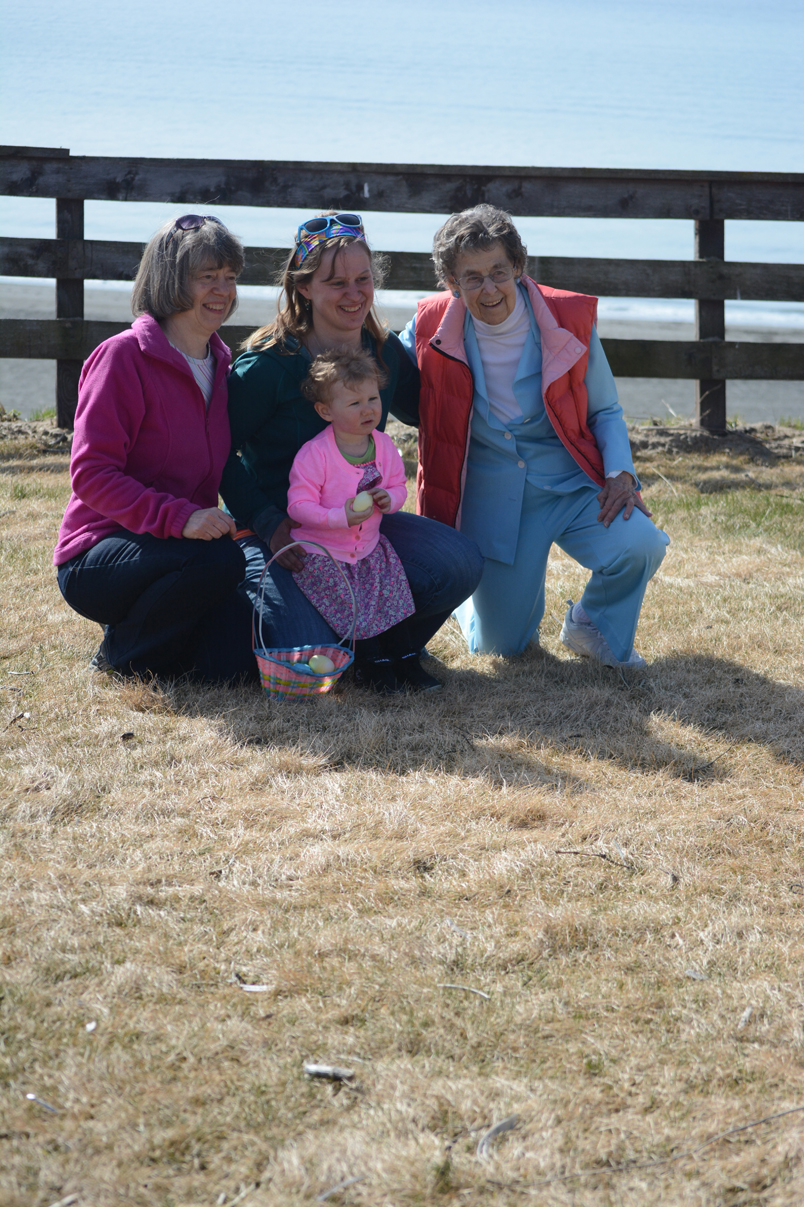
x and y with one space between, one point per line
29 386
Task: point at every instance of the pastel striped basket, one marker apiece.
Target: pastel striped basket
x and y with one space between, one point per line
277 667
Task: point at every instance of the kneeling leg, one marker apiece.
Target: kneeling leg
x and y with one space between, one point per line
623 558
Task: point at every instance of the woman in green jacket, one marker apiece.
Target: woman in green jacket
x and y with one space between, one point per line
327 302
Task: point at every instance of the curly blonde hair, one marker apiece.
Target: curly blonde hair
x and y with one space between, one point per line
345 366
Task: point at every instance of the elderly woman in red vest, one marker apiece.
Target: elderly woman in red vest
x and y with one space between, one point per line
522 444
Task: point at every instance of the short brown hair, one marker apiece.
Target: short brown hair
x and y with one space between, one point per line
345 366
173 256
477 229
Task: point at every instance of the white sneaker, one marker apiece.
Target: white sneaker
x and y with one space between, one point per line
585 639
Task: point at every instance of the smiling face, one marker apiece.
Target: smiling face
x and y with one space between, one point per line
353 410
341 292
491 303
214 293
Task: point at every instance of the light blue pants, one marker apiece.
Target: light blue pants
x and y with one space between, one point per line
505 611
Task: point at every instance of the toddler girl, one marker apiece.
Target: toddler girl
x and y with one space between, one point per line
347 458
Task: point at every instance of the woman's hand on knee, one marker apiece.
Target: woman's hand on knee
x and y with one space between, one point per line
208 524
282 535
619 494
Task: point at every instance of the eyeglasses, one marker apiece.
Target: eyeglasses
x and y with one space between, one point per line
470 282
328 226
193 222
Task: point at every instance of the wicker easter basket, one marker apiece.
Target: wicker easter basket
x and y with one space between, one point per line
280 672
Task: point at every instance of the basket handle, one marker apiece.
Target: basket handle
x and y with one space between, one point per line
258 603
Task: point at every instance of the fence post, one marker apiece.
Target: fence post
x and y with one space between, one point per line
710 323
69 305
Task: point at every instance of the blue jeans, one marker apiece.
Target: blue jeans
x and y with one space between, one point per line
442 567
169 606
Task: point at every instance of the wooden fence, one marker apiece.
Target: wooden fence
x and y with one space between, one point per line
706 198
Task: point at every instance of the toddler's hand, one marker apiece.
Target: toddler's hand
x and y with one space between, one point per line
355 517
381 498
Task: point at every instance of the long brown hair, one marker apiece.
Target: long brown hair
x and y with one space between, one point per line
295 317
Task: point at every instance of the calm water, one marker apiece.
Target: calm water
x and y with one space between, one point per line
709 84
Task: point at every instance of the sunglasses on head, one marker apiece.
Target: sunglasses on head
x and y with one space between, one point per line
192 222
328 226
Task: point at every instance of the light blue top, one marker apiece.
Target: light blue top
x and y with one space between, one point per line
504 456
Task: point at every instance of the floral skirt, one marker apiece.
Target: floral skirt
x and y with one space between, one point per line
379 584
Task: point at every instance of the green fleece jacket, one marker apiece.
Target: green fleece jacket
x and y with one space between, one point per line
270 421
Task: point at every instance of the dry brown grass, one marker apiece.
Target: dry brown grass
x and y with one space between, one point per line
160 847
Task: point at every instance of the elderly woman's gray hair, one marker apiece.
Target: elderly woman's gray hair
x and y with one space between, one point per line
173 257
477 229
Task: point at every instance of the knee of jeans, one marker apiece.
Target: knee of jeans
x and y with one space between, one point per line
468 563
476 562
223 557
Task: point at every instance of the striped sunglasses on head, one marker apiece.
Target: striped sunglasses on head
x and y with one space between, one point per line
328 226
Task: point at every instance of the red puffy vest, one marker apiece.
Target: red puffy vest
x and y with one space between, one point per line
447 391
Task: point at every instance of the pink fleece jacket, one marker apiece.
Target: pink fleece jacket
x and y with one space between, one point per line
321 480
146 452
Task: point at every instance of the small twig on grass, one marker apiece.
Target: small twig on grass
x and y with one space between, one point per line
325 1194
68 1202
591 1173
463 933
54 1110
465 988
328 1072
703 766
21 716
629 867
667 480
780 494
505 1125
244 1191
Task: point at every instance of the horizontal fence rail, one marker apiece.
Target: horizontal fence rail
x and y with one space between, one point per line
706 198
408 188
74 339
102 260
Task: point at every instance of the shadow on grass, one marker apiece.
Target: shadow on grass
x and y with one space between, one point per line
512 722
37 462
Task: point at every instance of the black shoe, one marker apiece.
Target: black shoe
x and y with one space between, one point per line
411 674
99 661
378 674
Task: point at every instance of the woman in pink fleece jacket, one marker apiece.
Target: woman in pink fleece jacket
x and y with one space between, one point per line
144 549
347 464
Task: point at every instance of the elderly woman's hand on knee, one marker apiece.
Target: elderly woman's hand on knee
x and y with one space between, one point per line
619 493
